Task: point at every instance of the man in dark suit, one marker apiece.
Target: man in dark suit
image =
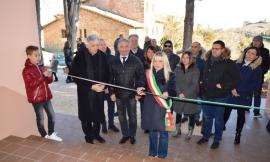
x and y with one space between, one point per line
127 71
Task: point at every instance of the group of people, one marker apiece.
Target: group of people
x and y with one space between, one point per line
209 76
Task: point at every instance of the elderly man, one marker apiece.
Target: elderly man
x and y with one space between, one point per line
134 47
154 44
127 71
91 63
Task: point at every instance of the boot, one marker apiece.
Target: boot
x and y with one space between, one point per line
177 130
237 138
104 128
189 135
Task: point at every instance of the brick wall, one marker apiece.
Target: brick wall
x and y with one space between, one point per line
91 22
133 9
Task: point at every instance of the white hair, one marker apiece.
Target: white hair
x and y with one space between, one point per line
123 40
92 37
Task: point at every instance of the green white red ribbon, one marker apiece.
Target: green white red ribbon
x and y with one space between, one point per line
166 104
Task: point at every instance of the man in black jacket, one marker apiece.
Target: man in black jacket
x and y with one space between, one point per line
127 71
173 58
111 105
220 76
264 52
134 47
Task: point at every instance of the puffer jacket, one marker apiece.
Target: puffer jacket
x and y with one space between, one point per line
36 84
223 72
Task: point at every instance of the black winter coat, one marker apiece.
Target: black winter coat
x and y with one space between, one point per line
130 75
224 72
90 103
173 60
139 54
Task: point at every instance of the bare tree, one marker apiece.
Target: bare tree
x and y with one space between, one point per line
39 27
71 13
189 21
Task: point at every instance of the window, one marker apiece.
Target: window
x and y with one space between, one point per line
64 33
85 33
81 33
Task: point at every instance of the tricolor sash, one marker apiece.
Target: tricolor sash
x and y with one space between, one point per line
166 104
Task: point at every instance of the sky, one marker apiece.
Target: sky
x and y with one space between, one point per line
219 13
213 13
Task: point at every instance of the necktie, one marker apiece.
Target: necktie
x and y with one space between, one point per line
124 60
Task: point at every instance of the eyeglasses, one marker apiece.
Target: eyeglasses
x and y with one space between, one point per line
169 46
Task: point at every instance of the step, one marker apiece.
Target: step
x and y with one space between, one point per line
34 148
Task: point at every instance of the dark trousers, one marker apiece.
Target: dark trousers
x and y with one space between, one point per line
47 106
127 107
158 143
90 129
191 118
69 78
240 118
111 106
55 76
141 107
214 112
257 99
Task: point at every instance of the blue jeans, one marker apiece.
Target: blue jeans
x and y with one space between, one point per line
47 106
158 143
214 112
111 106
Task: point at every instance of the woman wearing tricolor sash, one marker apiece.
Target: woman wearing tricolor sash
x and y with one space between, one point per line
157 117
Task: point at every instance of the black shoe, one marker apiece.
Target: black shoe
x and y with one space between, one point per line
146 131
202 141
132 140
104 128
123 140
198 122
55 80
114 128
184 120
215 145
237 138
100 139
116 114
89 140
257 115
161 156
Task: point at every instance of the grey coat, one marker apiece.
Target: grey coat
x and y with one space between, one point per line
187 83
54 65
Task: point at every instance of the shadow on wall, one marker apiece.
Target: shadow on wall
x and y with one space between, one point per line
16 115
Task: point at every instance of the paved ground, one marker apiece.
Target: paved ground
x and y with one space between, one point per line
255 143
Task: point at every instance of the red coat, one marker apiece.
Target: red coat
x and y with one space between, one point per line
36 84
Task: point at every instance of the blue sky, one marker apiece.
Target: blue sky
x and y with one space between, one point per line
214 13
